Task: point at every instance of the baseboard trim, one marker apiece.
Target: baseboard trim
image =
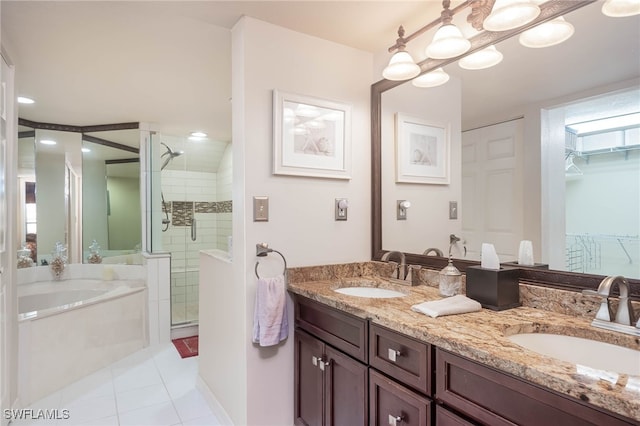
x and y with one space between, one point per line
217 409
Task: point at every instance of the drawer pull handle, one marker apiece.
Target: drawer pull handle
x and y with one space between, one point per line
393 354
394 420
325 364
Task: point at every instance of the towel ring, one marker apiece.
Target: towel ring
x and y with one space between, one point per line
264 253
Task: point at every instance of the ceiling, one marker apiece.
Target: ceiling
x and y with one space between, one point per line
168 62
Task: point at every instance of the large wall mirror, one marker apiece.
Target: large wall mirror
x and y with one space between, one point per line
77 186
520 207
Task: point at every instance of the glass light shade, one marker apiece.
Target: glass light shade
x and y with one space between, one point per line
448 42
510 14
485 58
547 34
434 78
401 67
620 8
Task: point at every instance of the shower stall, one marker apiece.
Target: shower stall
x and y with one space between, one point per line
192 185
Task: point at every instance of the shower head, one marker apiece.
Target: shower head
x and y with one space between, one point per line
170 154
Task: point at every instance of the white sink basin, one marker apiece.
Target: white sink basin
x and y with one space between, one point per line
584 352
370 292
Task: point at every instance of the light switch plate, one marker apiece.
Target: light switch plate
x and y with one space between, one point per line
453 210
260 209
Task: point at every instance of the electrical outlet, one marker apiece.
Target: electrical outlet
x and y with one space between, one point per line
260 209
453 210
342 206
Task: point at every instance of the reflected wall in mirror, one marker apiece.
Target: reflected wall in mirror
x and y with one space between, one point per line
78 186
526 151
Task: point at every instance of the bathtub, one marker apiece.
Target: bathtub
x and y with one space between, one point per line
71 328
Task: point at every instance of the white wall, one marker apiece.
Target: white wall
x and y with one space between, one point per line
301 218
94 204
224 193
427 224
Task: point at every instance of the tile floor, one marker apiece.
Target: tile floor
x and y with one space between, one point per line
152 387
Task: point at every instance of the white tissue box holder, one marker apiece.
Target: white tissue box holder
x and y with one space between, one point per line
495 289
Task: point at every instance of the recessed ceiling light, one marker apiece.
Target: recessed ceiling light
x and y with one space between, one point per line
48 142
25 100
85 150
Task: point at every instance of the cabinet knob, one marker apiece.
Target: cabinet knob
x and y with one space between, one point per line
315 359
394 420
393 354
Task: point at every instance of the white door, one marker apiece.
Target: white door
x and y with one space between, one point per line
492 181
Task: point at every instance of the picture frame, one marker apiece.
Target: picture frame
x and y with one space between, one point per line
311 136
423 151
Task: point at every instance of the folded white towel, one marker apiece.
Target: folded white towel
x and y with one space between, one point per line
458 304
270 321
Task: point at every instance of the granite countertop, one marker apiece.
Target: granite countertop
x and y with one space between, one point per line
482 336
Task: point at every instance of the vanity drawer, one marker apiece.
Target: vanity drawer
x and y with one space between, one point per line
341 330
401 357
496 398
392 404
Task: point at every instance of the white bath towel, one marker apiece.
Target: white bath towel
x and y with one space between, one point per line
270 322
458 304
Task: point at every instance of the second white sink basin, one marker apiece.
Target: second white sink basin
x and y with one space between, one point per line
580 351
370 292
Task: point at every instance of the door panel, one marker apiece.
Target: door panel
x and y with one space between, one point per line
346 387
309 392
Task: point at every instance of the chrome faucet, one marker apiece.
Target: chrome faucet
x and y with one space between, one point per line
401 269
624 317
437 251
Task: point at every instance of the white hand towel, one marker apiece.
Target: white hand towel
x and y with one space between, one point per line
270 322
458 304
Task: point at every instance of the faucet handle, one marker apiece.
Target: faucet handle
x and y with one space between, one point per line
605 313
624 314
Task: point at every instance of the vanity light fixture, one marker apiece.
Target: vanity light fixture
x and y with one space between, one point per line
85 150
434 78
401 65
494 20
485 58
197 136
547 34
621 8
510 14
48 142
25 101
448 42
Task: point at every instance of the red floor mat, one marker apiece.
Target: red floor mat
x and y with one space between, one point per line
187 346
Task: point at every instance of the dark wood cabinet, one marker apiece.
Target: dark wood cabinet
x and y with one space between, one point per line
405 359
394 405
331 383
492 397
351 372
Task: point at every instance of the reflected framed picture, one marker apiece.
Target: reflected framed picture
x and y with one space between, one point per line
422 151
311 136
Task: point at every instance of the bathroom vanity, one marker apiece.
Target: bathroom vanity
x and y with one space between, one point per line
374 361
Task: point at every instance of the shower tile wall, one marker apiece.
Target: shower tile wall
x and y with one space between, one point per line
189 195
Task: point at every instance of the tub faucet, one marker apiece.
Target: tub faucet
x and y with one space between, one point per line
401 269
624 317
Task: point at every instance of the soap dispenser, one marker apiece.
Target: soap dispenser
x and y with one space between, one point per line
450 281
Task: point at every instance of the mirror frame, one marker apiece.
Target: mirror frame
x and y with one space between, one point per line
547 278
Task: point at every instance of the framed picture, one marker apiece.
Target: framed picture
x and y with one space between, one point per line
311 136
422 151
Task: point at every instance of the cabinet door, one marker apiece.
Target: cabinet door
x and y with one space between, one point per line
394 405
309 392
346 390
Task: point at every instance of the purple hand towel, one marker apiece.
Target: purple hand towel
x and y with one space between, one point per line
270 322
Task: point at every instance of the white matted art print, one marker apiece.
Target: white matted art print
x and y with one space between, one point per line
311 136
422 151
